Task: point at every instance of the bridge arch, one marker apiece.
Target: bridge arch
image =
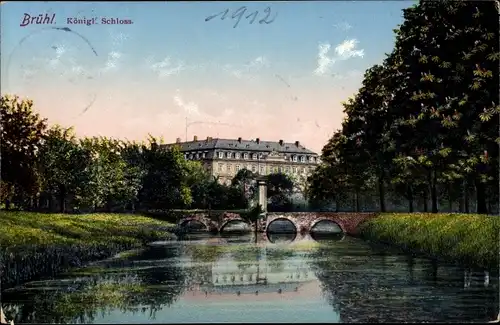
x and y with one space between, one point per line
233 221
185 222
326 219
282 218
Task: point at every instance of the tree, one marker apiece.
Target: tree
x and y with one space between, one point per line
63 164
165 183
279 189
423 120
22 136
245 180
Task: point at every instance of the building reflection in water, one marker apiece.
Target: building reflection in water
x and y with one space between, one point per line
257 271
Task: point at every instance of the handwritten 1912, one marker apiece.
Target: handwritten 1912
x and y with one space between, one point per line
239 13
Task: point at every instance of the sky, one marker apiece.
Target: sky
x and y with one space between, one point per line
280 75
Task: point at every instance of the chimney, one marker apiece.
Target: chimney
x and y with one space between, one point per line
239 140
297 143
195 138
209 139
178 140
258 140
281 142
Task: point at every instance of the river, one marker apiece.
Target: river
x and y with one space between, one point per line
205 278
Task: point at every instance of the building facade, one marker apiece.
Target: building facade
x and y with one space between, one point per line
223 158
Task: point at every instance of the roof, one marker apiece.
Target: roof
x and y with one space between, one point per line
242 145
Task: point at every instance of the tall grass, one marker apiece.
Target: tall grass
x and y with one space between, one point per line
464 238
33 245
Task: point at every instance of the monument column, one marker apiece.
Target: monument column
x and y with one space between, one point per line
262 182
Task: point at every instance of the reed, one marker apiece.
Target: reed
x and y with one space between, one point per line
463 238
35 245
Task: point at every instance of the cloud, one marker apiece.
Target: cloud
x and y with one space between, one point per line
344 26
190 108
165 68
244 71
112 61
60 50
344 51
118 39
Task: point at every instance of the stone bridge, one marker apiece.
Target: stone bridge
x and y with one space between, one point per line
211 224
303 221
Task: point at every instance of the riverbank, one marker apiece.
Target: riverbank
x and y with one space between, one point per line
468 239
36 245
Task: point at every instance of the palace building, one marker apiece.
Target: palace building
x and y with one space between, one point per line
223 158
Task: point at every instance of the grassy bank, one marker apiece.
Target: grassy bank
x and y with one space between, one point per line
33 245
464 238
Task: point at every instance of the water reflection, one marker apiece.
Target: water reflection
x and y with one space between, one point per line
281 238
204 278
327 236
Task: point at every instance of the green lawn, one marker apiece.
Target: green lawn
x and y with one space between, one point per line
26 228
465 238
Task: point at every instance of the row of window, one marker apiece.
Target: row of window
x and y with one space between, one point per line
246 155
276 169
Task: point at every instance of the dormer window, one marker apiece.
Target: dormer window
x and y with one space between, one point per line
228 155
302 159
221 154
204 155
237 155
197 155
294 158
245 156
254 156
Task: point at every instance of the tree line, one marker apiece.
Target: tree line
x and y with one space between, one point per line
424 126
48 168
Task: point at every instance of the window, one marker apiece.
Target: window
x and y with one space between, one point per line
221 167
254 168
281 169
275 169
237 168
294 158
311 159
197 155
245 156
262 168
228 167
294 170
287 170
190 156
221 154
254 156
302 170
228 155
204 155
302 159
237 155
